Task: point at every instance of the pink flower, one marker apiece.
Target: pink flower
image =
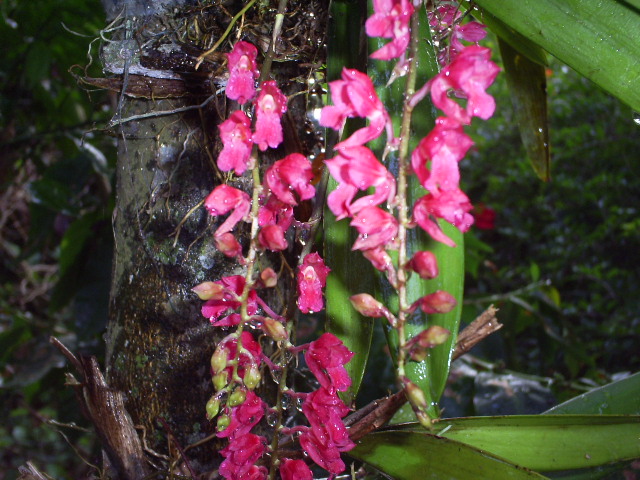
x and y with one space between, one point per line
424 264
326 358
223 199
485 217
436 302
275 212
471 72
235 133
445 22
452 205
240 456
272 238
325 410
249 356
355 96
321 451
271 104
243 72
214 308
228 244
376 228
312 277
291 174
390 20
357 168
445 146
295 470
244 416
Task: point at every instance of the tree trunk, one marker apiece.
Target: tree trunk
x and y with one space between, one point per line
158 343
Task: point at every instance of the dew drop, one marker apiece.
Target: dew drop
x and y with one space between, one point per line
636 118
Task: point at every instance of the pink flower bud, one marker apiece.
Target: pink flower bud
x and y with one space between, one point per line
228 245
414 394
269 277
209 290
274 329
424 264
418 346
370 307
272 238
436 302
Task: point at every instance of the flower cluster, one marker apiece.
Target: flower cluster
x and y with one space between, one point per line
235 302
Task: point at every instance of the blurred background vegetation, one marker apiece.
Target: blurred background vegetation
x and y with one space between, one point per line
560 262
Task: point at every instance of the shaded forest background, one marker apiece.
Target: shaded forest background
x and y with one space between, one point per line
561 262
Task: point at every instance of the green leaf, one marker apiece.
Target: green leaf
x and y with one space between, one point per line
598 38
549 442
621 398
351 273
406 455
528 88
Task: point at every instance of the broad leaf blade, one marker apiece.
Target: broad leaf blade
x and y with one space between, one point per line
598 38
528 88
405 455
549 442
620 398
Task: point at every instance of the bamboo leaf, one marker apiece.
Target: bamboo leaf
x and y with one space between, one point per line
549 442
528 88
598 38
406 455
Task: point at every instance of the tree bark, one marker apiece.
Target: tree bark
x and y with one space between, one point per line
158 343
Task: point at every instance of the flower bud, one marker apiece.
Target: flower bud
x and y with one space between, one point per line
238 397
272 238
424 264
223 422
275 329
213 407
414 394
220 380
219 359
252 377
228 245
209 290
269 277
370 307
436 302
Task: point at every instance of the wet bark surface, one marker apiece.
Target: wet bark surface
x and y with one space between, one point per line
158 344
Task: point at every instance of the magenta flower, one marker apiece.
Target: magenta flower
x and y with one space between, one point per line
452 205
214 308
321 451
224 199
240 456
357 168
325 410
243 72
444 147
485 217
235 133
376 227
326 358
249 356
424 264
471 73
295 470
291 174
272 238
445 22
355 96
275 212
312 277
390 20
244 416
271 104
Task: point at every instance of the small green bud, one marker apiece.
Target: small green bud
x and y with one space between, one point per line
252 377
238 397
220 380
213 407
219 359
223 422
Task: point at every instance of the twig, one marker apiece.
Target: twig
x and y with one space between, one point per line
161 113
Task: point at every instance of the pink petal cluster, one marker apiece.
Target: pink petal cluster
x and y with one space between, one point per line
326 358
445 20
235 133
240 457
312 278
243 72
248 357
271 104
295 470
233 287
390 20
243 417
222 200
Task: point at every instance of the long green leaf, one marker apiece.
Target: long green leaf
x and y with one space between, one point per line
406 455
528 88
620 398
549 442
598 38
350 272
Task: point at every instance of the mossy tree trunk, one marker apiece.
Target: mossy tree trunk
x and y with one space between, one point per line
158 344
